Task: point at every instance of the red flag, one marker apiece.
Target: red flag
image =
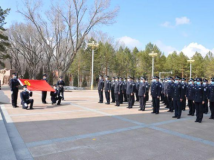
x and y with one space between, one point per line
36 85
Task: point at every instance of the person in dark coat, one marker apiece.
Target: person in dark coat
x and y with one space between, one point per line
190 96
147 90
130 92
198 100
117 92
107 85
211 97
100 88
136 89
205 105
124 89
44 93
61 85
169 93
25 98
121 90
156 89
184 87
14 88
55 96
112 90
142 94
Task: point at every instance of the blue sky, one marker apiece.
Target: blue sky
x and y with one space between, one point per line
184 25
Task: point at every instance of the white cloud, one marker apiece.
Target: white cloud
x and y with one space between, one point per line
164 48
195 47
129 42
182 20
166 24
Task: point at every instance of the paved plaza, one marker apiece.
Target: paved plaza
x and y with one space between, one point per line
82 129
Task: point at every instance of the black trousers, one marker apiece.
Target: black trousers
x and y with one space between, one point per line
14 97
117 99
156 104
147 96
205 106
169 102
112 95
191 107
55 99
212 109
61 92
131 100
124 95
100 96
121 98
199 111
44 95
177 106
166 101
29 101
137 97
142 102
107 94
184 104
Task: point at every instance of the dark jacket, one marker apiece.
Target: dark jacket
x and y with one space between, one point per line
117 89
130 87
142 89
54 95
156 89
14 83
25 95
199 93
211 93
107 85
60 83
100 84
190 92
177 91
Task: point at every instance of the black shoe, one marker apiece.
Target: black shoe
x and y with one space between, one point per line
168 111
174 117
199 121
189 114
152 112
192 114
58 104
196 120
178 117
139 109
210 118
31 108
143 110
44 102
24 108
157 113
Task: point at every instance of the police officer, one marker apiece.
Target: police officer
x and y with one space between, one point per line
14 88
147 90
156 89
177 98
142 93
130 92
107 90
124 89
61 85
117 92
121 90
112 89
25 98
198 100
44 93
55 96
136 89
184 86
190 96
205 105
100 88
211 97
169 93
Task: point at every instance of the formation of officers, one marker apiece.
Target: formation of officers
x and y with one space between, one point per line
176 93
56 96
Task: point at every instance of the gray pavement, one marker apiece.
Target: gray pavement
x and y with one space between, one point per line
82 129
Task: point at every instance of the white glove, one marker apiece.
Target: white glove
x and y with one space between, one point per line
11 92
25 104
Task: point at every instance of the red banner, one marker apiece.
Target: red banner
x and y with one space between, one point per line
36 85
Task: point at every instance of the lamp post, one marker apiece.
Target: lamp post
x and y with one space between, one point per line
93 45
190 61
153 55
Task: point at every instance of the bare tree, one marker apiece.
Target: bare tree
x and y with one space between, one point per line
64 27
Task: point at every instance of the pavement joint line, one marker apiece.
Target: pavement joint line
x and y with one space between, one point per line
20 148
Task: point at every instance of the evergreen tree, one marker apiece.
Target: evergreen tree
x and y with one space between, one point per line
75 81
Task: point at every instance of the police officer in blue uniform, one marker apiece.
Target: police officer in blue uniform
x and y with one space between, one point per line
100 88
156 89
177 98
14 88
147 90
142 93
124 89
44 93
198 100
55 96
25 98
61 85
130 92
169 93
190 96
184 86
211 97
117 92
205 105
121 90
136 89
107 90
112 89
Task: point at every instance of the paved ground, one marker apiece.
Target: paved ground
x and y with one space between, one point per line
82 129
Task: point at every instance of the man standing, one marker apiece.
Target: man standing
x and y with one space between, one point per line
100 88
130 92
121 90
14 88
61 85
107 90
147 90
44 93
112 89
184 86
156 93
169 93
177 98
124 89
190 95
205 105
136 89
25 97
117 92
142 94
211 97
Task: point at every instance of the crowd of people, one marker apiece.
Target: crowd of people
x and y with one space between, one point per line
176 93
56 96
